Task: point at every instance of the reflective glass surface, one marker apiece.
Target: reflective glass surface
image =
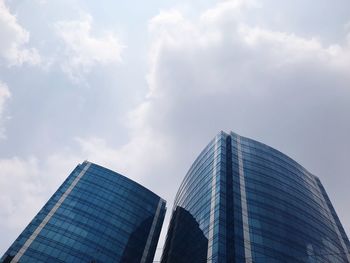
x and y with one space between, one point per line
96 215
251 203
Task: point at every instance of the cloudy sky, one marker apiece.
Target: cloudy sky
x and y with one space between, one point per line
141 88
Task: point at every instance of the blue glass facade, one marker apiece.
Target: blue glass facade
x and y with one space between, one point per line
96 215
247 202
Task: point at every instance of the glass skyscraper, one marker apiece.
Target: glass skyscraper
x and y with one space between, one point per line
96 215
243 201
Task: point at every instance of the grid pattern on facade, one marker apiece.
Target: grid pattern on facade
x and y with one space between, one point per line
257 206
105 217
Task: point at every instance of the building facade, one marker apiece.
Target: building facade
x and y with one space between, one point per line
243 201
96 215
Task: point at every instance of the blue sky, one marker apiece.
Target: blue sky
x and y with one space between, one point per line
142 87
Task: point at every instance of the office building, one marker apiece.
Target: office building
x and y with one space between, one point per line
96 215
243 201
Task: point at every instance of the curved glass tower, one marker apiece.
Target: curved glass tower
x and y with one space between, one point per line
243 201
96 215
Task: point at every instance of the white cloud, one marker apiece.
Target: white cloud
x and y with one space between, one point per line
82 50
14 40
18 176
208 74
20 196
4 95
218 73
228 10
25 186
27 183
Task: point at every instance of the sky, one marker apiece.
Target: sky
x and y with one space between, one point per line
141 88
